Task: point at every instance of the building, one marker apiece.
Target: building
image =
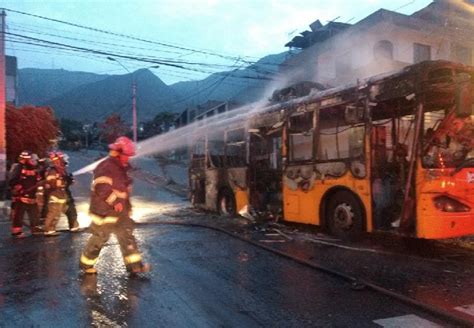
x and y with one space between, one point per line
339 53
11 70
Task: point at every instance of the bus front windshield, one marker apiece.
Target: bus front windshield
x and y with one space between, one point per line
448 140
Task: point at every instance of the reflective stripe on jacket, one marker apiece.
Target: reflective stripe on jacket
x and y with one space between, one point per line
110 186
56 185
28 177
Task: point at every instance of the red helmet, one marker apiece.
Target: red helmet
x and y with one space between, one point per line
26 154
123 145
54 155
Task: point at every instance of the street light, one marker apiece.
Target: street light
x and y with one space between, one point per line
134 97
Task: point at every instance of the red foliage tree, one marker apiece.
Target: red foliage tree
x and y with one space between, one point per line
113 127
30 128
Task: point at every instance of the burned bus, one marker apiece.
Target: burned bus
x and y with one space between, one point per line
393 152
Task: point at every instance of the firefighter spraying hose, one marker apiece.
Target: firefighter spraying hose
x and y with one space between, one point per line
110 209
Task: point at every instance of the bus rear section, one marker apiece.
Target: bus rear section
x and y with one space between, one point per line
218 171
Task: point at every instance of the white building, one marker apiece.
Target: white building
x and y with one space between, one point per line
383 41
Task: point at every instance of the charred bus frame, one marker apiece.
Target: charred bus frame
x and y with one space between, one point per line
393 152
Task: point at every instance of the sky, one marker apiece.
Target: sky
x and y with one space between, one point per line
188 39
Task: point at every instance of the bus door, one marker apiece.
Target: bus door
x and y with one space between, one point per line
391 141
235 192
215 163
197 172
265 169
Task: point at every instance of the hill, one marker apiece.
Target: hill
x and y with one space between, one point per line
91 97
36 86
242 86
94 101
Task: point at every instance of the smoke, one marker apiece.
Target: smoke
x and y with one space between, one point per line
370 47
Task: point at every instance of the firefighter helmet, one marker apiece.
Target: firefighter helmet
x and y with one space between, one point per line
56 155
26 154
123 145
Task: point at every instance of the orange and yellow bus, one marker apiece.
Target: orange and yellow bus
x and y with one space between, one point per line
393 152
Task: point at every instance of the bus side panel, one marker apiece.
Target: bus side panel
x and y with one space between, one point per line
300 206
309 202
433 223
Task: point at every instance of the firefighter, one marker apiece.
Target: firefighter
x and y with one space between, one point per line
71 212
110 209
24 181
41 194
56 191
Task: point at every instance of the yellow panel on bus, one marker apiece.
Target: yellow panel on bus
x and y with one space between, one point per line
309 202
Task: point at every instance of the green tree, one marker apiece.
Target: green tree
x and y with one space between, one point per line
72 134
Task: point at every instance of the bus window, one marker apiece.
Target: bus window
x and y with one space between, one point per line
275 154
301 146
198 154
215 146
447 139
338 141
236 148
301 137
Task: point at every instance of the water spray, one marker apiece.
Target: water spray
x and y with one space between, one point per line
184 136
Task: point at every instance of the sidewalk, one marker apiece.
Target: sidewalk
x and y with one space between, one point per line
4 210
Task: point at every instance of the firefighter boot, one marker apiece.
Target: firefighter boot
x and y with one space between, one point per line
90 270
142 268
37 231
74 227
18 235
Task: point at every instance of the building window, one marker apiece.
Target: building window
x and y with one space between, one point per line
463 55
421 52
383 50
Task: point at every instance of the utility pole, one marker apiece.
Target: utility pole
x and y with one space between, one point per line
134 97
3 104
134 110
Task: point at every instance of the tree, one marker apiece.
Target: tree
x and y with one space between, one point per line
30 128
72 133
113 127
161 123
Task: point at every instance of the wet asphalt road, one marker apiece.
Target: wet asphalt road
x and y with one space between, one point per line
200 278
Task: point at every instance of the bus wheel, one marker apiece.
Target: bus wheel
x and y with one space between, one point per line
344 216
226 203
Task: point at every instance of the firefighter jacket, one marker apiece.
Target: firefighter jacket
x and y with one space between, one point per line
111 185
56 185
24 180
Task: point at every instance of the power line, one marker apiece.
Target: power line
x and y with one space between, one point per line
205 52
124 35
63 46
169 60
